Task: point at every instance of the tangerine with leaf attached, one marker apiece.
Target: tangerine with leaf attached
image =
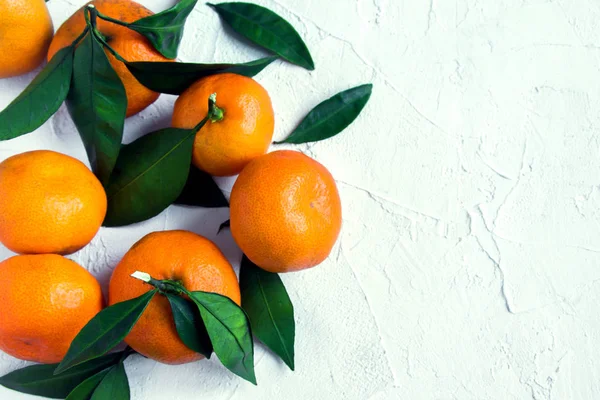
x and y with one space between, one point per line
180 256
129 44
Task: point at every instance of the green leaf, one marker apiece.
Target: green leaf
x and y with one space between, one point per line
40 380
85 390
331 116
41 99
106 330
189 325
224 225
114 386
267 29
97 103
165 29
201 190
176 77
149 175
229 331
269 308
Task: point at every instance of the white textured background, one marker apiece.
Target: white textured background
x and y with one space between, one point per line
469 260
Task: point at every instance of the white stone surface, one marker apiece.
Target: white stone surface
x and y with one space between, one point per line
469 260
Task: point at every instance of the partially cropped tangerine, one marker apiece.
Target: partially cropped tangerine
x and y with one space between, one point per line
223 148
182 256
49 203
131 45
286 212
25 34
46 300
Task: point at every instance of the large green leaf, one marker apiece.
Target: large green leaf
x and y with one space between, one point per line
41 99
149 175
201 190
269 308
97 103
85 389
107 329
331 116
267 29
165 29
189 325
229 331
40 380
114 385
176 77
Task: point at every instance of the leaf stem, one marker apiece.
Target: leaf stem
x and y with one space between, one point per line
110 19
78 39
90 18
164 286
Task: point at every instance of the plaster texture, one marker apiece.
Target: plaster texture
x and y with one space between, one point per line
469 262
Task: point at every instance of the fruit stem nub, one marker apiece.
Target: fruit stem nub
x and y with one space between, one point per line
215 114
163 286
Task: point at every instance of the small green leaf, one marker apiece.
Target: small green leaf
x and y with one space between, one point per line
269 308
86 388
201 190
165 29
114 386
229 331
331 116
41 99
106 330
224 225
40 380
176 77
189 325
97 103
267 29
149 175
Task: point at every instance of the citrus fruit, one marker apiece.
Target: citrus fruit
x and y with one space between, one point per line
285 212
224 147
46 300
50 203
176 255
131 45
25 34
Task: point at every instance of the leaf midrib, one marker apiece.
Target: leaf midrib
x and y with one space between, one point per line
271 32
112 326
151 166
324 120
226 327
262 292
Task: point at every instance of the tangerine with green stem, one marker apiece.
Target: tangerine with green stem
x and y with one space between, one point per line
181 256
129 44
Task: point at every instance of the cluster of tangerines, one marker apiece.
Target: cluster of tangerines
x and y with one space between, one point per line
285 210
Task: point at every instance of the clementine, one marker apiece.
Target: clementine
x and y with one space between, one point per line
175 255
285 212
50 203
223 148
131 45
46 300
25 34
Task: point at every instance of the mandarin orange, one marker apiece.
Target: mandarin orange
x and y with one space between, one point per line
131 45
175 255
223 148
286 212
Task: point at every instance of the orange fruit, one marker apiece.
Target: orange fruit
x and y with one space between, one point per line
176 255
131 45
285 212
50 203
46 300
224 147
25 34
